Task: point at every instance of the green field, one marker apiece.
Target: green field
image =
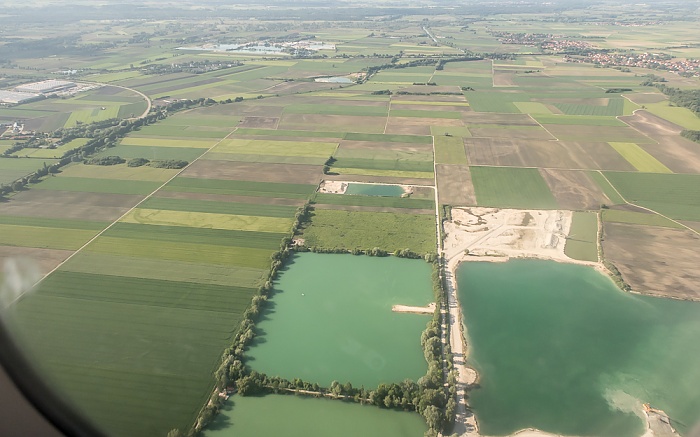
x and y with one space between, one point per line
584 120
639 158
168 142
366 230
243 188
53 153
608 189
511 188
450 150
376 201
277 148
44 237
384 164
392 138
210 236
638 218
209 206
119 172
208 220
153 153
92 185
674 195
374 111
582 242
12 169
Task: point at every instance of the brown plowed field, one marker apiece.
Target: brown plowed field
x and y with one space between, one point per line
254 171
455 185
655 260
333 123
260 122
552 154
489 118
525 134
69 205
44 259
574 190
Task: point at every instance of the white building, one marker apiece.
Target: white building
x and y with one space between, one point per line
45 86
13 98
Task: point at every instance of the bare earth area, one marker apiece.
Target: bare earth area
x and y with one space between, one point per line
491 234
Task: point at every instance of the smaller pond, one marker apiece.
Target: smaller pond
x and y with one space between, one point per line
291 416
375 190
333 80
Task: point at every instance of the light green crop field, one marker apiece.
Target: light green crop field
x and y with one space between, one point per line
176 131
681 116
276 148
638 218
94 185
506 187
450 150
188 252
155 142
44 237
674 195
120 265
208 220
92 115
384 154
366 230
582 242
392 138
532 108
424 114
384 164
211 236
12 169
210 206
639 158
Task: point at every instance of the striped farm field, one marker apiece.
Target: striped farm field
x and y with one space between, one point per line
94 185
378 201
279 148
118 172
207 220
236 208
44 237
243 188
379 111
217 237
107 264
121 374
450 150
639 158
189 252
166 142
674 195
506 187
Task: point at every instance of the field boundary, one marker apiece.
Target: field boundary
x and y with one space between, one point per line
148 196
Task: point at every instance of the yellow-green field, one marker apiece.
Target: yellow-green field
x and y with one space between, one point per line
208 220
639 158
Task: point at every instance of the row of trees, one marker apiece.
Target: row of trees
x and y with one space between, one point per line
102 134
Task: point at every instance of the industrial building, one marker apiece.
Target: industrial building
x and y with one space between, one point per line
45 86
13 98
